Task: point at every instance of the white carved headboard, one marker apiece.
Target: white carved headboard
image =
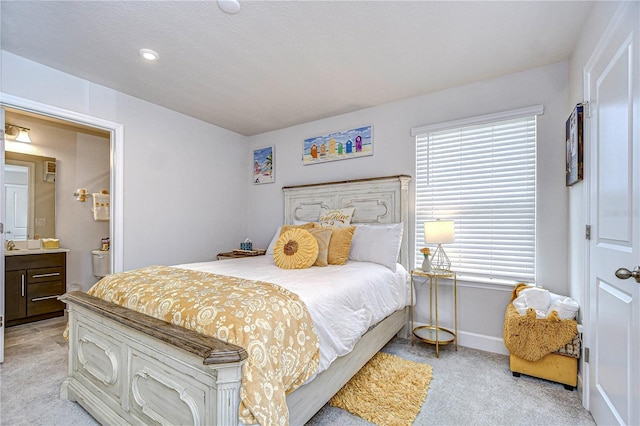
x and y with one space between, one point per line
376 200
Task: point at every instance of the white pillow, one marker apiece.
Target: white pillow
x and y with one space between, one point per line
379 243
272 244
336 217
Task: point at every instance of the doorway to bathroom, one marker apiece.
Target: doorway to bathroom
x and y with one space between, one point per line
81 158
96 136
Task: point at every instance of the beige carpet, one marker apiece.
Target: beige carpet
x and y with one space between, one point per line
388 390
462 392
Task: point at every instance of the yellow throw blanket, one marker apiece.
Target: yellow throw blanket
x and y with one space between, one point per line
271 323
530 338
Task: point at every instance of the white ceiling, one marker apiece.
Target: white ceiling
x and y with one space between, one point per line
280 63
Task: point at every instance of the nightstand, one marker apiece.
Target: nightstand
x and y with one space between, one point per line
237 254
433 333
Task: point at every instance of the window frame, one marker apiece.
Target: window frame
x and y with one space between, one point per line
420 217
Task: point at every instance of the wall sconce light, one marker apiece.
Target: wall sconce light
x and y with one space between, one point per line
17 133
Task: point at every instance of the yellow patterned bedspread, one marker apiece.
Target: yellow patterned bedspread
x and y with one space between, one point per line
271 323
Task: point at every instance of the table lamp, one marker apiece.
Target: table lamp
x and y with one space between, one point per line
439 232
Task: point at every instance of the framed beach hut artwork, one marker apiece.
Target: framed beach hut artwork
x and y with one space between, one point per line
574 146
263 166
343 145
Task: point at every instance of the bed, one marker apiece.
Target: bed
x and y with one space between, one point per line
127 367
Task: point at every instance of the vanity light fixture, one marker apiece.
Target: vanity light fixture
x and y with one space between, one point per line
149 55
17 133
229 6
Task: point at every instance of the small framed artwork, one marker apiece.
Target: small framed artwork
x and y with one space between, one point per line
574 146
263 166
343 145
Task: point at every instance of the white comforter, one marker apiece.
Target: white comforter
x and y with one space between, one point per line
344 301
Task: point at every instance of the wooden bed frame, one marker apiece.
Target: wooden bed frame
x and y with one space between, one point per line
130 368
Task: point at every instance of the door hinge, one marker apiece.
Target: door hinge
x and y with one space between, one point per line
586 108
1 228
586 355
587 232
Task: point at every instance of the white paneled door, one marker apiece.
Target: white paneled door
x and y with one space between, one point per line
612 85
2 321
16 208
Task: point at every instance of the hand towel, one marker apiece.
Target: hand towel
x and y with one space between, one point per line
529 297
535 298
538 299
101 206
566 307
521 305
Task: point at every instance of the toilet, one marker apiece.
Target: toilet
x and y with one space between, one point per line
101 263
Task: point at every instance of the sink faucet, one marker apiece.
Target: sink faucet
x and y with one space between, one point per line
11 245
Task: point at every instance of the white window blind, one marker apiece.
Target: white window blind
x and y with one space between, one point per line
484 178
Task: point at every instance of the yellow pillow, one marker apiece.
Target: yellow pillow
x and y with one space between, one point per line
340 244
295 249
323 237
285 228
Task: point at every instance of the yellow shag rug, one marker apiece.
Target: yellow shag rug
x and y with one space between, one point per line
388 390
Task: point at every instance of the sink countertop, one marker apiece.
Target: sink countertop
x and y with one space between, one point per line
33 251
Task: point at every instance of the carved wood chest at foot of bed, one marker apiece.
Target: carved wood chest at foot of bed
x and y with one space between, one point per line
129 368
165 374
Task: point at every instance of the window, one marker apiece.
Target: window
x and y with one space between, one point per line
481 173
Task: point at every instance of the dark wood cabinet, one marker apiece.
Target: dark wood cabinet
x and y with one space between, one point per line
15 295
33 283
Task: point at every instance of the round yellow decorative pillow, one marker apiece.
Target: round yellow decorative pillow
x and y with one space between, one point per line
295 249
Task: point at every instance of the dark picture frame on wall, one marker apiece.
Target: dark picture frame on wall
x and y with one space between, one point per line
574 146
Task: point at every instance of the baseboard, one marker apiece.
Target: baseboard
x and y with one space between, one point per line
482 342
583 383
479 341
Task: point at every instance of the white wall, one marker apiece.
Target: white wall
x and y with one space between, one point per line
481 309
185 181
83 163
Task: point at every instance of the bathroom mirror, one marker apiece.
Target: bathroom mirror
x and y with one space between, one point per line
30 196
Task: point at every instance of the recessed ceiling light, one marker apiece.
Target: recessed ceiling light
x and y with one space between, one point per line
149 55
229 6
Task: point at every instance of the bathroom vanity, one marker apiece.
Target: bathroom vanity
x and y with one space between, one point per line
33 281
